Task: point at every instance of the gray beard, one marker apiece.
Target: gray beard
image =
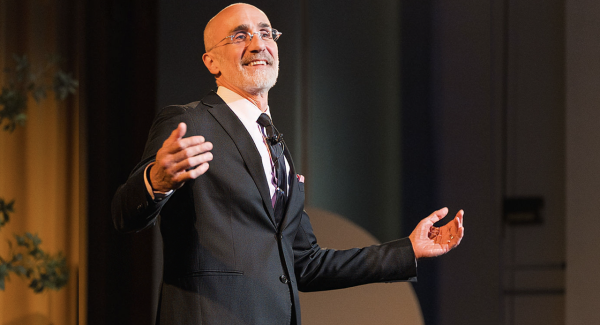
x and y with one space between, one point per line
259 81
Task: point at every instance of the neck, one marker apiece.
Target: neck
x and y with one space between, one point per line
259 99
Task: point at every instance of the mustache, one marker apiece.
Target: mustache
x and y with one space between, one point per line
260 56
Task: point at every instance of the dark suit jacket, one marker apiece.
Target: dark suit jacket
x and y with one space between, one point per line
225 262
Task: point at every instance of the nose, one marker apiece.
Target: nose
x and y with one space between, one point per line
257 44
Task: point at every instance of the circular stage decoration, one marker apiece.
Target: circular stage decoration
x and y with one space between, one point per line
379 303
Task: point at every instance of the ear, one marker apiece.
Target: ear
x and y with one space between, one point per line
211 63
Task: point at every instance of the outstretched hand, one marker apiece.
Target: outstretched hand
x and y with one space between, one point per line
179 160
430 241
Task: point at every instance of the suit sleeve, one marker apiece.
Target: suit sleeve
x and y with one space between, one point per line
326 269
132 207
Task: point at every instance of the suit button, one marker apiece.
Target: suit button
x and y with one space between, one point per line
284 279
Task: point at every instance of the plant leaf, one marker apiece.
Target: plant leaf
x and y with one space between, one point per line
64 85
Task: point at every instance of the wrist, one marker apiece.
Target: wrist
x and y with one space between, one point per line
412 244
149 176
157 194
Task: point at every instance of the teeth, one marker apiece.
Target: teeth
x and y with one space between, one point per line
258 62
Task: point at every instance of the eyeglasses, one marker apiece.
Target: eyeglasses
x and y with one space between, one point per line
246 37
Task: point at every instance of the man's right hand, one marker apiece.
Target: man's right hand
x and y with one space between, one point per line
179 160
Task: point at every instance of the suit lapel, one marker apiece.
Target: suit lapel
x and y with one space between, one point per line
244 143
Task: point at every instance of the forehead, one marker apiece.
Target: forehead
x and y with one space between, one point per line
239 17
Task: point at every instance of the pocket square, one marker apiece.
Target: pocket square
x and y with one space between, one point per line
300 178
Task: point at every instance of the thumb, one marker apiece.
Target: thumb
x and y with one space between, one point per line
178 133
437 215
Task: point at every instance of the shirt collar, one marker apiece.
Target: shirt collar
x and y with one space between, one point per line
247 112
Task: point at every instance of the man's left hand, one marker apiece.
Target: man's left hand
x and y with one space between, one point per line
430 241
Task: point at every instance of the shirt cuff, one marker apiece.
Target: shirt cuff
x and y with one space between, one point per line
156 196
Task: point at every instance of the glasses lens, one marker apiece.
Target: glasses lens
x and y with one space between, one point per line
239 37
265 35
275 34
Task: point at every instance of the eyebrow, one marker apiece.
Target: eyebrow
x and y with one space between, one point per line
247 27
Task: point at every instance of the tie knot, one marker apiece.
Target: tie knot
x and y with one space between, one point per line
273 136
264 120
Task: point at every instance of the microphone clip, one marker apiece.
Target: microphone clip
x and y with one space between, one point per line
275 139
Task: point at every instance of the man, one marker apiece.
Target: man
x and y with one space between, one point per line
238 245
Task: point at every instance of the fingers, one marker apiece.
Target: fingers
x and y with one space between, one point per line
180 159
449 234
193 162
459 217
192 148
437 215
194 173
175 146
461 233
457 231
190 174
185 153
177 134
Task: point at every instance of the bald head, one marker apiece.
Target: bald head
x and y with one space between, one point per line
249 67
214 28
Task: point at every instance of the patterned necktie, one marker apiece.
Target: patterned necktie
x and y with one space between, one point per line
276 145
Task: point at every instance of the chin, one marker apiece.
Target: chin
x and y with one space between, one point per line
260 81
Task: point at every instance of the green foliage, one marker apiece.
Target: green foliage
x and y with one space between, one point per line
28 260
24 80
64 84
5 210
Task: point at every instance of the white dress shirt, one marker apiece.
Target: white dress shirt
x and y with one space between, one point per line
248 113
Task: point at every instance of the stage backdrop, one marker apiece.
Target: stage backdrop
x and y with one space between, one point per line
39 163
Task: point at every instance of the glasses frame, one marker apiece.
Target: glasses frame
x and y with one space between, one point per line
275 34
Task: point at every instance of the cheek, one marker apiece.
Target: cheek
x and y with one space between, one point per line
232 56
274 51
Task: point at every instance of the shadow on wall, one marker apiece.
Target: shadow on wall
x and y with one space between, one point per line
381 303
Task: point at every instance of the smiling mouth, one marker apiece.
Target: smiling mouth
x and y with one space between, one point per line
257 62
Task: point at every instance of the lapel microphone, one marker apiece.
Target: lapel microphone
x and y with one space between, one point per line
275 139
